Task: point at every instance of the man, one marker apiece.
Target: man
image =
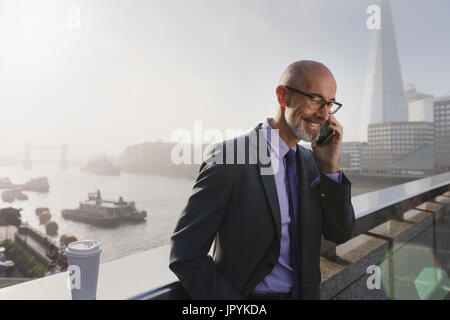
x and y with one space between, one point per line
267 228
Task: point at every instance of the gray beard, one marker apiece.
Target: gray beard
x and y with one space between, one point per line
298 131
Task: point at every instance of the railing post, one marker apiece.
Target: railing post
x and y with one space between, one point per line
391 269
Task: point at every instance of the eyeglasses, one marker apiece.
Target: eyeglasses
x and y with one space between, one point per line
317 102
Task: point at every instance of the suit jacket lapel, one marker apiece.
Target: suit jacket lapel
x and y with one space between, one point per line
268 180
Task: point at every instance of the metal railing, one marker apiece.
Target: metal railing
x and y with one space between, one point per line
371 210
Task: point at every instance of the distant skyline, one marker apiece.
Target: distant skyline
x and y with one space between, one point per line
135 71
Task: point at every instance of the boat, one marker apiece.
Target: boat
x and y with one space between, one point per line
5 183
101 166
39 184
11 195
51 228
7 196
95 210
45 217
40 210
20 195
65 239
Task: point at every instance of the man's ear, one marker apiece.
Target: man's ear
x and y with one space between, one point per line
281 92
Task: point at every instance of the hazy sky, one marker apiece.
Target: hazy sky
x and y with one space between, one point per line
135 71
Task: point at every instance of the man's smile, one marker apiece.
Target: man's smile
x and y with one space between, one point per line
312 123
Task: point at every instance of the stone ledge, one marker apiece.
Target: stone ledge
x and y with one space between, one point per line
434 207
442 199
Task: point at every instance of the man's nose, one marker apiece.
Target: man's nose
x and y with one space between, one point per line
322 113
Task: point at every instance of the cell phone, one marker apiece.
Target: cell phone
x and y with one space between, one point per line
325 133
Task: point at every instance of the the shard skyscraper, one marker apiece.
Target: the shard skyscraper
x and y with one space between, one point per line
383 98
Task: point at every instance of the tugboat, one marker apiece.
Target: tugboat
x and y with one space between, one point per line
20 195
101 212
101 166
39 184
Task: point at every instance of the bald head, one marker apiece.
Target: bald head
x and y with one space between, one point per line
307 75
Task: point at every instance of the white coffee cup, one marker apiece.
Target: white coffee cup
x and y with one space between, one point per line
83 264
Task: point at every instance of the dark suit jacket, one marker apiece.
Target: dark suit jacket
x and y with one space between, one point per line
236 207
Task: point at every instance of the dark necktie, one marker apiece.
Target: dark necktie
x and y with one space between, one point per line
291 179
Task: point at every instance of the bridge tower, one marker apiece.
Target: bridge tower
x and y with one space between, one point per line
27 156
64 162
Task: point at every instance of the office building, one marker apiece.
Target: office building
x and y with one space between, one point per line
442 134
400 147
351 156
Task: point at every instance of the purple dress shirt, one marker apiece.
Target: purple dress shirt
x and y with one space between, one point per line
281 277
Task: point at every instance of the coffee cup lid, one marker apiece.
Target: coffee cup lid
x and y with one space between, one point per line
83 247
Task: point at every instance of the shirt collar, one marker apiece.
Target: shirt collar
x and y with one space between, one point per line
282 149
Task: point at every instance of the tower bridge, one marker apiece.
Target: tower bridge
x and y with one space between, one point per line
63 161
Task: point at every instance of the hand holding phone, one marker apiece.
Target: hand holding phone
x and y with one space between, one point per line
327 148
325 133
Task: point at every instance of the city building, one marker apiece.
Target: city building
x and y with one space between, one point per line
420 105
411 94
421 110
400 148
351 155
442 134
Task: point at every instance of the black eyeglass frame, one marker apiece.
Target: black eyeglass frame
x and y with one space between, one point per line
312 96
